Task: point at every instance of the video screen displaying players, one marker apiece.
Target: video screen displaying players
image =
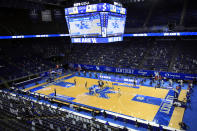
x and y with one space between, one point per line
85 25
116 25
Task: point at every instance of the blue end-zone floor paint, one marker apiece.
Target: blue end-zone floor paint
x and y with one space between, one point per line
65 84
190 115
148 99
68 77
102 92
32 84
166 109
61 97
36 88
29 85
44 80
124 85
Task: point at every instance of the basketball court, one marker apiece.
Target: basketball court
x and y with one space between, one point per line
143 102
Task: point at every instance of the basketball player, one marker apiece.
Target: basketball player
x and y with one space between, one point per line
94 91
191 84
107 85
75 82
102 84
119 92
162 82
112 85
54 91
86 84
170 82
99 83
181 82
90 90
90 74
176 93
135 82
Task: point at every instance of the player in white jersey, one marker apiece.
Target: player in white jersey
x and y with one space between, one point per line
107 85
119 92
94 91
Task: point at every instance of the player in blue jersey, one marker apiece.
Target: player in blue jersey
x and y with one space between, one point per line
134 82
94 91
54 91
112 85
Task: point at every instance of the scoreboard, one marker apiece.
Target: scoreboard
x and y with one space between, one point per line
85 24
97 23
116 24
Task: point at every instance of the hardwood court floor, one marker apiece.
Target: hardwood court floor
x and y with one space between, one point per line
120 102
